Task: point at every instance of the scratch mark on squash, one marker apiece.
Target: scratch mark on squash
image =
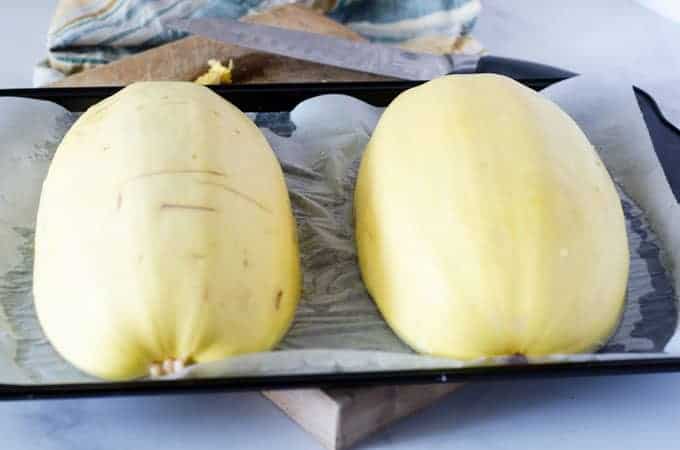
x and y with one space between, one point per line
238 193
277 302
119 201
189 207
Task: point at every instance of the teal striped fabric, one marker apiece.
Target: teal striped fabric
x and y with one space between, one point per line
403 20
86 33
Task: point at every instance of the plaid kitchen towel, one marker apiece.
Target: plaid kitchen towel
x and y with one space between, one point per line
86 33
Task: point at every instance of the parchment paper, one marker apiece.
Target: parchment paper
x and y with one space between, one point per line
337 327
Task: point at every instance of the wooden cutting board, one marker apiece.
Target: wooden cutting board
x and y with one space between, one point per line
187 58
338 418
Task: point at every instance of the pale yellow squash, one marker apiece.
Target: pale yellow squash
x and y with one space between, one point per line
487 224
165 235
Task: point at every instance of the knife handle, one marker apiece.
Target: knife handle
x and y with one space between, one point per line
518 69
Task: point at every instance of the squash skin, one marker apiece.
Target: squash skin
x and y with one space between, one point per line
487 225
164 232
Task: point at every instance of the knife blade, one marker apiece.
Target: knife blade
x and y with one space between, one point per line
361 56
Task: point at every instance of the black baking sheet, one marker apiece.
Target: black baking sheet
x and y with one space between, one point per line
666 140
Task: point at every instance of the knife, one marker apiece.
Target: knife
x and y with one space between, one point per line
360 56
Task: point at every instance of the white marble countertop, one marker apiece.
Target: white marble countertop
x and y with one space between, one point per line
627 412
